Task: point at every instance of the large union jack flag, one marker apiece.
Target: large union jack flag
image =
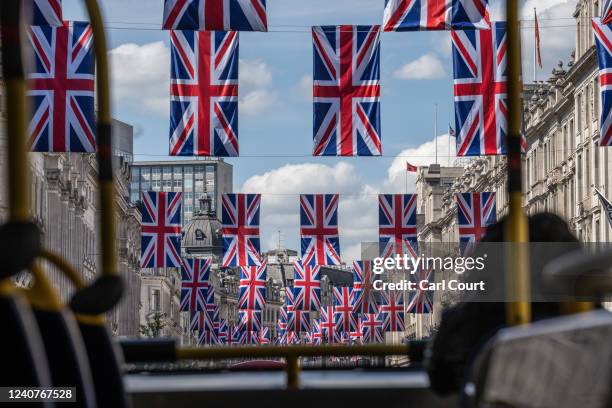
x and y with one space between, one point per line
204 94
195 282
215 15
372 328
392 311
240 229
475 212
397 224
481 99
307 286
420 301
421 15
47 13
603 40
61 89
606 12
161 230
345 317
319 229
346 91
252 290
362 287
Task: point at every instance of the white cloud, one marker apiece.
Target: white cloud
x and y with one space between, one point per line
426 67
255 80
302 90
358 206
141 75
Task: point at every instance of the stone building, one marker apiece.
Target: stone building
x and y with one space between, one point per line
563 164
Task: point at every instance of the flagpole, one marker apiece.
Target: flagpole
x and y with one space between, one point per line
436 129
535 46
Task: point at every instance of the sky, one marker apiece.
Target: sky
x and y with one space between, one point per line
275 103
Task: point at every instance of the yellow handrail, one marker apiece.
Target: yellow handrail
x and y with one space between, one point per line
518 308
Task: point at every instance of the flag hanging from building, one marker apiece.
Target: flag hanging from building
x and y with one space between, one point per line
307 286
344 310
195 282
61 89
252 289
475 212
161 229
397 229
538 51
317 332
422 15
346 91
603 41
607 206
223 331
215 15
240 229
320 242
264 336
328 327
410 168
204 93
606 12
420 301
372 327
364 301
392 311
47 13
481 99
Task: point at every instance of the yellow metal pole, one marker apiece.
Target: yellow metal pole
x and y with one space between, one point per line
518 309
105 169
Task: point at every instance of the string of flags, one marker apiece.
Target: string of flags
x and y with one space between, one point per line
346 77
358 313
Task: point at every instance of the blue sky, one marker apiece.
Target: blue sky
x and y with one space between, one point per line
276 106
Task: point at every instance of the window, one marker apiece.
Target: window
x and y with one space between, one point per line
156 173
135 173
177 183
579 174
155 300
167 173
178 172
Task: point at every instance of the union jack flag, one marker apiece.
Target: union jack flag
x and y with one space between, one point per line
362 287
421 301
392 311
328 327
481 99
264 336
307 286
319 229
235 336
346 91
356 335
298 321
195 281
397 230
240 229
372 327
204 321
603 40
249 320
252 290
47 13
476 211
161 229
204 94
215 15
606 12
223 331
289 298
344 310
421 15
317 332
61 89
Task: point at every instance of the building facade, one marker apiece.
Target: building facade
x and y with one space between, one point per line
563 164
196 179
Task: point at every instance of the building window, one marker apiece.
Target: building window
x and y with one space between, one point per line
155 300
167 173
156 173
